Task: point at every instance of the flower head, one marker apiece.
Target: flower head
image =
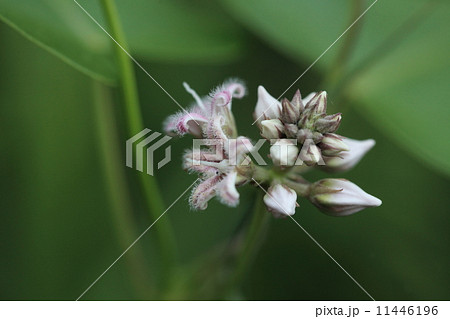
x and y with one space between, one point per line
300 133
219 165
302 119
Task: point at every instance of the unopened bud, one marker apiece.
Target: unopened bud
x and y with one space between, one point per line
318 104
347 160
290 113
329 123
303 135
272 129
297 101
291 130
267 106
317 137
332 145
340 197
310 155
281 200
284 152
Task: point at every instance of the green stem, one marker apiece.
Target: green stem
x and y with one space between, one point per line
117 189
149 186
253 239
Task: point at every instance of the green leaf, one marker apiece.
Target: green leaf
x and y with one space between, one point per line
406 93
166 31
402 88
63 29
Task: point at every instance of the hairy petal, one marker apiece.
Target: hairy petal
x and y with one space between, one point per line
204 192
184 123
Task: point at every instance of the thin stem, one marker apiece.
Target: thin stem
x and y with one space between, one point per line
150 190
253 239
117 188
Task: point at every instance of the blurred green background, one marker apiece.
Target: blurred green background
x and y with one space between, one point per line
390 77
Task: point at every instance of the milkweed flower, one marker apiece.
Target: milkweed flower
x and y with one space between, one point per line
302 136
219 166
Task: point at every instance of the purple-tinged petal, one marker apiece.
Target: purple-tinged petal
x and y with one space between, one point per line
191 123
204 192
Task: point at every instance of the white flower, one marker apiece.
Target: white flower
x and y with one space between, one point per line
267 106
280 200
340 197
347 160
284 152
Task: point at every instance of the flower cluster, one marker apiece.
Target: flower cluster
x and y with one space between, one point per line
302 137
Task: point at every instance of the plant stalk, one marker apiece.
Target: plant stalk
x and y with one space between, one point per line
150 190
253 240
117 188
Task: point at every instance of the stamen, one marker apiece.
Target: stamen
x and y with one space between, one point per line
195 95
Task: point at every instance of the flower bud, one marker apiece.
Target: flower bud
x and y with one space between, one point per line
349 159
318 103
290 113
303 135
291 130
310 155
329 123
280 200
272 129
267 106
297 101
332 145
308 98
340 197
284 152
